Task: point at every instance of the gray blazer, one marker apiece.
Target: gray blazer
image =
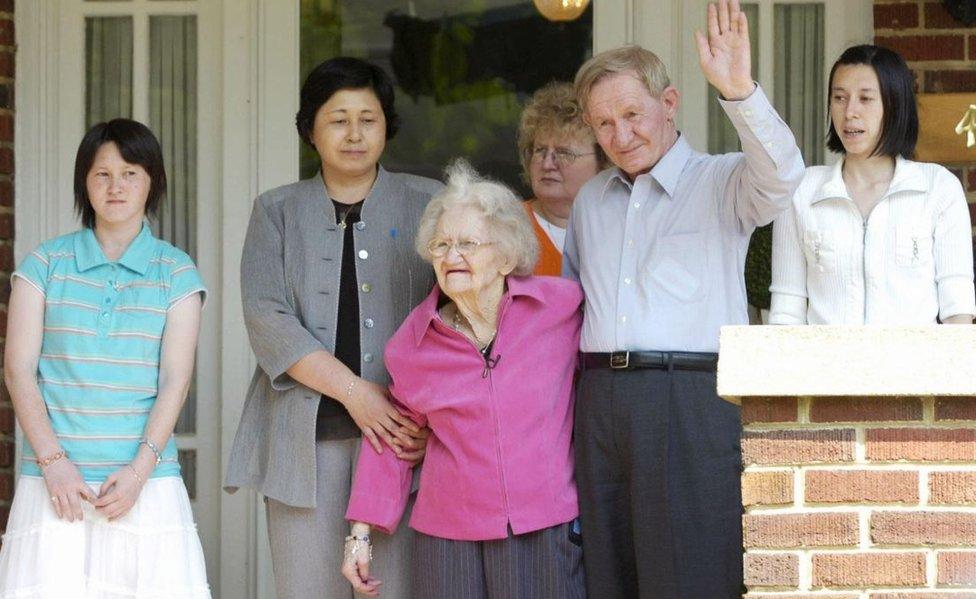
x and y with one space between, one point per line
290 286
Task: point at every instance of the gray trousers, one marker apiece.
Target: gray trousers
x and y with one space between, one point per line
658 465
307 544
544 564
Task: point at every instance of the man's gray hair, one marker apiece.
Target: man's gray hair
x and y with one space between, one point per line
509 225
632 59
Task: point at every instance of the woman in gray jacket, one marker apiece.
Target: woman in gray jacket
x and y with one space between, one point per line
327 275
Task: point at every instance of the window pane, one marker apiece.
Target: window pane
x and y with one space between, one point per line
188 469
108 68
798 86
462 69
722 136
173 117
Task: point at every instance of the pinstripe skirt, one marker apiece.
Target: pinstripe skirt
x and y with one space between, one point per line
545 564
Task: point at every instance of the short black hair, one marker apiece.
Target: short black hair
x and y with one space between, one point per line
137 145
899 125
344 72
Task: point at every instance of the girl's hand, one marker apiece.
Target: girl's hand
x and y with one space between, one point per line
119 492
67 489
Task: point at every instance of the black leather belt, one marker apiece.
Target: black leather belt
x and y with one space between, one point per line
662 360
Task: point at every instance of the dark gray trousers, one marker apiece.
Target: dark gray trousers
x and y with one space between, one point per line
658 469
544 564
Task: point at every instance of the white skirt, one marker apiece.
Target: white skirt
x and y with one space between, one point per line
153 552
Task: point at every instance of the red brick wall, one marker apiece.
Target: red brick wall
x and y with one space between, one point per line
856 494
940 50
7 51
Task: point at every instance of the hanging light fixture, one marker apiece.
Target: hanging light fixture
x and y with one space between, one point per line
561 10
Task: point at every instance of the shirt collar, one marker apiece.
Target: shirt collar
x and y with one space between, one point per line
426 312
88 254
908 177
668 169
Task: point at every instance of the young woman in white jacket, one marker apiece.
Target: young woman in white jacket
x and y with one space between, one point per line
877 238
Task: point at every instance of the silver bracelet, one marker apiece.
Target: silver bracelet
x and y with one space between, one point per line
152 447
358 543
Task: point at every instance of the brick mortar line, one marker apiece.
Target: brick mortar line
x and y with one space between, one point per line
823 426
928 410
879 466
923 487
931 569
864 529
799 486
860 445
846 508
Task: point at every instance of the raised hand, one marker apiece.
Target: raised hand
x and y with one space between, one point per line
724 55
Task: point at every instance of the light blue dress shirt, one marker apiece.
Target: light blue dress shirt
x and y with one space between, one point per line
661 258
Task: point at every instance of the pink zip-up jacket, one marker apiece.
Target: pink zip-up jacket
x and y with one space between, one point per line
500 453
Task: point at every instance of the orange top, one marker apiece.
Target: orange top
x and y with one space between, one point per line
550 258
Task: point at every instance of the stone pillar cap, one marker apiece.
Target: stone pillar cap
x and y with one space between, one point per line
846 361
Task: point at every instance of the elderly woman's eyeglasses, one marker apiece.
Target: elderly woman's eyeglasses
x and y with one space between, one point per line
561 156
464 247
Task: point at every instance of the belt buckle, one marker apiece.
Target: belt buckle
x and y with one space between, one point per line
619 360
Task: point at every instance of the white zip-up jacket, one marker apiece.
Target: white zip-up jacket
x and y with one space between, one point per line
908 263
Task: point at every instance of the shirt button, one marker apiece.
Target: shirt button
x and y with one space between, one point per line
367 358
636 204
104 314
363 254
747 112
770 144
108 300
368 323
623 319
360 226
627 281
630 243
366 287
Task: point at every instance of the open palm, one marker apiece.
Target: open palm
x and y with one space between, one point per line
724 55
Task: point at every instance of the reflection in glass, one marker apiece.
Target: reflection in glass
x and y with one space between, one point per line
108 69
463 71
799 70
173 117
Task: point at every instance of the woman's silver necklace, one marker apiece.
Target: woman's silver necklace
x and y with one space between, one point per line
457 327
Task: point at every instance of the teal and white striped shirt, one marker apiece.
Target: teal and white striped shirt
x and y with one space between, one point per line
103 326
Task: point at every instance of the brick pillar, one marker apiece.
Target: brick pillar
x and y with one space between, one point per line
7 51
940 51
867 496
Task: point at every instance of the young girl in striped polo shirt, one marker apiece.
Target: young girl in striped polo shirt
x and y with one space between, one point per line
101 334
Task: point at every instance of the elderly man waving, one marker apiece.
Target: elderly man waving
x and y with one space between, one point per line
659 245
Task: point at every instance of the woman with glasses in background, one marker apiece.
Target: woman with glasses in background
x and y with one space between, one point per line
559 155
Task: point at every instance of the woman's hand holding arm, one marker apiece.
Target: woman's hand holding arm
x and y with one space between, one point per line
25 332
365 401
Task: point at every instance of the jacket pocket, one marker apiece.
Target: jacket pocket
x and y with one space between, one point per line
820 249
913 246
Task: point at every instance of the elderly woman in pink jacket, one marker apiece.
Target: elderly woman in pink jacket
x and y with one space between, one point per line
487 362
